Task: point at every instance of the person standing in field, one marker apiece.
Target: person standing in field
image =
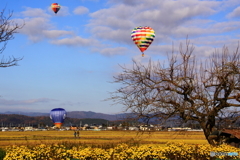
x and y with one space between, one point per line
78 134
75 134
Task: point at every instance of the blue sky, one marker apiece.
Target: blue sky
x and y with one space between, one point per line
69 59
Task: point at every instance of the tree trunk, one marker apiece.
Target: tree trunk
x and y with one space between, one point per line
208 129
207 132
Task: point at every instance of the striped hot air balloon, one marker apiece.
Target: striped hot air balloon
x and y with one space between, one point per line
58 115
55 7
143 37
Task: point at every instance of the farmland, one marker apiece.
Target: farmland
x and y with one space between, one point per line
110 145
99 137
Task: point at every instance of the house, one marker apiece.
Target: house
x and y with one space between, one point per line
73 128
30 128
133 128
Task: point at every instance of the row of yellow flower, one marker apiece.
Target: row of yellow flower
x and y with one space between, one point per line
179 151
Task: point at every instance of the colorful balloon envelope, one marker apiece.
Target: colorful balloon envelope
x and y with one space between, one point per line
143 37
58 115
55 7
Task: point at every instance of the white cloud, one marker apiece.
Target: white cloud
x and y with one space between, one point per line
68 103
81 10
235 13
34 12
53 34
115 23
228 4
113 51
40 28
117 35
127 2
34 28
202 28
74 41
38 25
25 102
171 19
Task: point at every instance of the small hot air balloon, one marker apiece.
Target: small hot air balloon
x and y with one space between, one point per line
58 115
55 7
143 37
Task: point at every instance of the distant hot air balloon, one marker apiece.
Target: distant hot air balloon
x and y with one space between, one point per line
143 37
58 115
55 7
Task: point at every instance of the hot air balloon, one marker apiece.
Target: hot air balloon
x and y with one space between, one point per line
58 115
55 7
143 37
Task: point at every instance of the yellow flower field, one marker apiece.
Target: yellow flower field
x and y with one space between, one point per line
110 145
178 151
99 137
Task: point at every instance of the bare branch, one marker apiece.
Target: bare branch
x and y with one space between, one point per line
7 30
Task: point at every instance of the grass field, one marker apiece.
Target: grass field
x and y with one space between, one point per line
99 137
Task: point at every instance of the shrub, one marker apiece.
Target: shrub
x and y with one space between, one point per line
2 153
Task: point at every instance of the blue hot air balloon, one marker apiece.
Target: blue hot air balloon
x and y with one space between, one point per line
58 115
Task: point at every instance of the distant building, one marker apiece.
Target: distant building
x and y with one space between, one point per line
133 128
179 129
30 128
109 128
73 128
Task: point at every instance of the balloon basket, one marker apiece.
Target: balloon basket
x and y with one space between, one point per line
58 125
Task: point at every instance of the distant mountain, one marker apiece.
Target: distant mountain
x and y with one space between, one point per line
77 114
90 114
76 118
22 120
32 114
16 120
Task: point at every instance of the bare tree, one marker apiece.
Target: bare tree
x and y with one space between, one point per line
7 30
184 86
228 118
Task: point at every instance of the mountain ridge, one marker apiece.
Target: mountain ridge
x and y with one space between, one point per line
76 114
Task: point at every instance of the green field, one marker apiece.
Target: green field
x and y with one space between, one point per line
99 137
